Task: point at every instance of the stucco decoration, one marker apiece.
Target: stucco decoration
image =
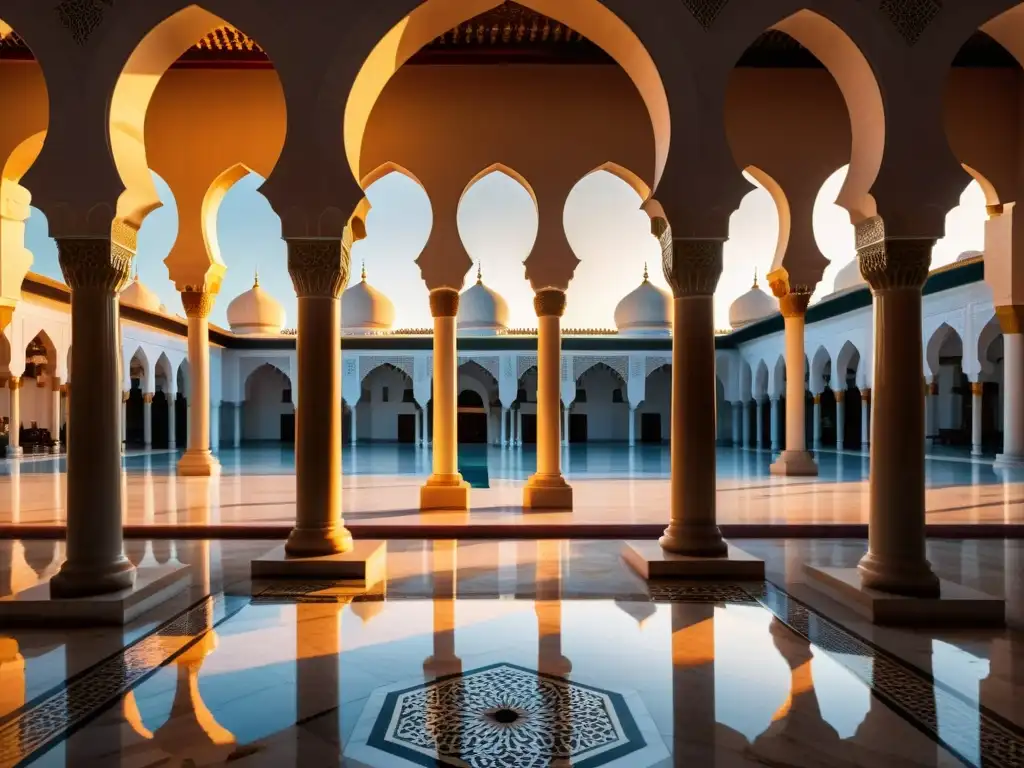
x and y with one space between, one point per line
705 11
525 363
489 364
81 17
911 17
583 363
654 363
368 363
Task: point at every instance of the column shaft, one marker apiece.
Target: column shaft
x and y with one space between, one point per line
817 421
504 426
759 426
565 424
896 271
214 425
865 417
519 426
197 460
547 489
795 460
172 420
776 444
445 488
418 425
14 395
319 271
632 427
236 433
352 437
840 418
95 269
1012 321
147 420
976 395
692 268
737 416
124 419
746 423
55 409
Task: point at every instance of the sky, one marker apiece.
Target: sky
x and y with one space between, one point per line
498 225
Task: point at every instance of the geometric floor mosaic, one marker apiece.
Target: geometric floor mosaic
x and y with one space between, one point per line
505 716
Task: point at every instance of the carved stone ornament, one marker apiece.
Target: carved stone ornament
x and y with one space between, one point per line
81 17
794 304
198 303
705 11
911 17
14 382
1011 318
444 302
888 263
95 262
318 267
692 267
549 302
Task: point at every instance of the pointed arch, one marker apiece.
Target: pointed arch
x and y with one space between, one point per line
383 170
819 361
146 380
848 358
501 168
473 367
773 188
945 332
989 335
761 380
50 350
624 174
212 200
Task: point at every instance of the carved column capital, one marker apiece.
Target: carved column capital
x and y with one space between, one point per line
198 304
932 389
319 267
1011 318
14 382
891 263
549 302
865 395
98 262
817 399
977 388
840 395
444 302
794 304
148 398
125 396
691 267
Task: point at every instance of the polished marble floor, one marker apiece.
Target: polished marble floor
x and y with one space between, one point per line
515 653
613 486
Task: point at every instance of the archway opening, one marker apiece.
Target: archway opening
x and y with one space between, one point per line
268 414
600 412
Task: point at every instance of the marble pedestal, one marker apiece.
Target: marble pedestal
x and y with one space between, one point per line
198 464
794 464
154 585
649 560
538 496
362 566
444 497
956 605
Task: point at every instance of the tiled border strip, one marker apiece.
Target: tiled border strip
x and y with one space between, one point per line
910 692
28 732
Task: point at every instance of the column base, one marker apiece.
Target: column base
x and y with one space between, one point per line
442 666
15 450
55 448
318 542
444 492
953 605
651 561
78 582
547 492
39 606
1008 461
361 567
198 464
171 446
795 464
898 578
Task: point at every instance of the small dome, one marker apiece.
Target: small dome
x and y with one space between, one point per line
136 294
255 312
970 255
482 311
752 306
645 311
849 277
365 310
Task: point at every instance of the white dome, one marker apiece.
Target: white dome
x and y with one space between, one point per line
482 311
752 306
137 294
365 310
255 312
645 311
849 277
969 255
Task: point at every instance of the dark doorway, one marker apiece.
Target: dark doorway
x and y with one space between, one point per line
161 417
577 427
851 431
133 412
472 418
529 428
407 427
181 420
287 427
346 424
650 427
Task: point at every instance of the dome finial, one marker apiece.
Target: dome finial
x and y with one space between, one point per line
363 273
256 278
479 273
645 272
136 278
755 279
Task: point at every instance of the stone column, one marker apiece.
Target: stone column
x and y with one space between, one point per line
55 394
236 433
504 426
759 426
172 420
816 418
147 419
776 421
95 269
1011 320
519 426
565 424
840 395
547 489
352 425
746 423
445 488
124 420
418 425
795 459
976 393
737 416
67 416
632 426
214 425
865 417
319 270
896 271
931 413
14 398
692 268
197 460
